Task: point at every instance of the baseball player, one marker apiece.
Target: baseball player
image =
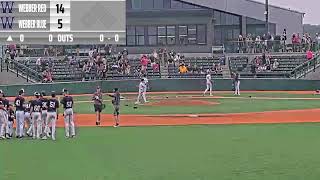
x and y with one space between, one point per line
209 84
35 112
4 122
142 92
11 117
3 113
19 102
97 101
27 117
237 84
53 114
67 102
44 113
116 105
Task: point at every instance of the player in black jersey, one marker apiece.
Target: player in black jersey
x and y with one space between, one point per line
35 112
67 102
27 117
53 114
11 117
19 102
4 118
44 112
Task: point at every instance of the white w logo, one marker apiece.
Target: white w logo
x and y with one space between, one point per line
7 22
6 6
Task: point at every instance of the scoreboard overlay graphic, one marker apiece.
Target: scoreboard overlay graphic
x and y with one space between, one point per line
63 22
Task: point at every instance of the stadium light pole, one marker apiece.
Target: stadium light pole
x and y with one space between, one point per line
267 15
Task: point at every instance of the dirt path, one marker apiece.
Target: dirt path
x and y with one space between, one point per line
276 117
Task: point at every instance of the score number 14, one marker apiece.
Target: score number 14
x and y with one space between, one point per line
60 9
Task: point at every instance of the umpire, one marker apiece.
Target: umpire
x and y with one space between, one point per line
98 104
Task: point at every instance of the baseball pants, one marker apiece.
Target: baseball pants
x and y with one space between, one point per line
20 123
3 122
142 95
52 119
69 123
44 118
36 125
237 88
29 121
209 88
9 128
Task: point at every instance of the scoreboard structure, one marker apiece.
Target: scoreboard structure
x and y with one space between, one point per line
63 22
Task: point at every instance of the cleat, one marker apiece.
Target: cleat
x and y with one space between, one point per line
117 125
44 138
2 137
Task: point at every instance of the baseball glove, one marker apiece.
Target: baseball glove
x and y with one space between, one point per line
103 106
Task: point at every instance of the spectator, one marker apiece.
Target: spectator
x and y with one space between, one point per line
38 64
317 40
156 67
177 59
144 64
190 68
91 53
275 64
183 69
195 69
258 45
155 55
47 76
309 55
240 43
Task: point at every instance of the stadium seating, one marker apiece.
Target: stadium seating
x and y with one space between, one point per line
63 71
287 63
203 63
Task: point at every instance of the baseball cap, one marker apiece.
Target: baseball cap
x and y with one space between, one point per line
1 92
37 94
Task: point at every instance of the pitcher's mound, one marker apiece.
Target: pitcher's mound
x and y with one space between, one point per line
176 102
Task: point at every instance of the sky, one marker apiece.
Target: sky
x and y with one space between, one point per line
310 7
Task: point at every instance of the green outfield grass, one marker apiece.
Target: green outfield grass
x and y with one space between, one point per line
240 152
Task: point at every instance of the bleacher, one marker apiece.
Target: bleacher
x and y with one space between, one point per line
63 71
201 62
287 63
135 65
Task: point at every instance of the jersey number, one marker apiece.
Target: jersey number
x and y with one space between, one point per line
37 108
52 104
18 103
69 104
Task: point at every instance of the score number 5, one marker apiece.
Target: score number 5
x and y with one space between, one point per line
60 9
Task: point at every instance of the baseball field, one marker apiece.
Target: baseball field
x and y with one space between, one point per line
258 136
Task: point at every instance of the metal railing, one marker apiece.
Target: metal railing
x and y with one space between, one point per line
271 46
305 68
22 71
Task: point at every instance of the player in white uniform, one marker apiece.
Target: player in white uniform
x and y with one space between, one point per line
237 84
146 81
209 84
142 92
